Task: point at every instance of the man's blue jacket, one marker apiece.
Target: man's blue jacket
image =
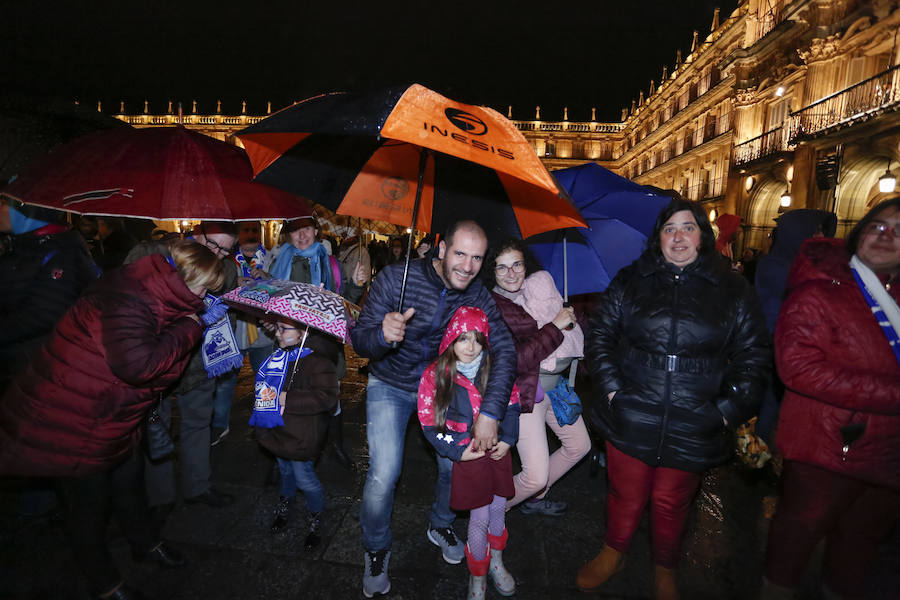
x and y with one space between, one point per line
435 305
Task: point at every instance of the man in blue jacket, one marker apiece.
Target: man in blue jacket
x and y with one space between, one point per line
435 289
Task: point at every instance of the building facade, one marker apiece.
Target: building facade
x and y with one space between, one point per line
784 104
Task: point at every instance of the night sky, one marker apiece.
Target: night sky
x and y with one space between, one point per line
566 53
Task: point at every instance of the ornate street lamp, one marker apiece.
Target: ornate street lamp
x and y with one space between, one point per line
887 183
786 198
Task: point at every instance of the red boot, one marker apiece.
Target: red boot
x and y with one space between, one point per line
503 582
477 574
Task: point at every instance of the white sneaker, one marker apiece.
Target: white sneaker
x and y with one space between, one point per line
375 578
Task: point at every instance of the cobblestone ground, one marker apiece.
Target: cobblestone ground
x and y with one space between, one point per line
233 555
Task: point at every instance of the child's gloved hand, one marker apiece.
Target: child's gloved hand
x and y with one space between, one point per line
214 312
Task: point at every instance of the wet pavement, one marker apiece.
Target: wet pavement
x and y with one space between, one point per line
233 555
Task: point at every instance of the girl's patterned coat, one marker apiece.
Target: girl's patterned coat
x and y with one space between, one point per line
465 405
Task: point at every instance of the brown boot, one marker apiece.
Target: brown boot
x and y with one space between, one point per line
664 587
597 572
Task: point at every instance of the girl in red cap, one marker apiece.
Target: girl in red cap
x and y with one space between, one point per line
449 402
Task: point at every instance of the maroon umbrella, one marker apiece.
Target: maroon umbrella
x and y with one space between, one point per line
159 173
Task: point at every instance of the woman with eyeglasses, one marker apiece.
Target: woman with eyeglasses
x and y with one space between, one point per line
679 350
547 340
837 348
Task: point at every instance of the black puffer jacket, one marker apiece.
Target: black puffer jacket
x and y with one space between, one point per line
42 275
682 349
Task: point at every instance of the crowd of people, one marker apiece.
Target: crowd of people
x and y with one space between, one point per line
102 334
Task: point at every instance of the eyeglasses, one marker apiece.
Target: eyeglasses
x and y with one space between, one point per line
516 267
212 245
283 328
878 227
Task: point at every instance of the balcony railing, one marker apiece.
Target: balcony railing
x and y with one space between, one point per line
857 102
705 190
772 141
582 127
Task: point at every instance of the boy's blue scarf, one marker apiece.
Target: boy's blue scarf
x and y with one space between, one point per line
319 267
255 261
220 350
270 382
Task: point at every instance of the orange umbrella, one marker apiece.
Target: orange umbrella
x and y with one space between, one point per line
384 155
365 155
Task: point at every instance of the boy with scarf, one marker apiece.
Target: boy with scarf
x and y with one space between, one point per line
296 391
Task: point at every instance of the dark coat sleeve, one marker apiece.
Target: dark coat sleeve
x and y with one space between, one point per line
604 333
136 352
749 355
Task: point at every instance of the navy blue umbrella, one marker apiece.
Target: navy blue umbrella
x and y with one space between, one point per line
621 215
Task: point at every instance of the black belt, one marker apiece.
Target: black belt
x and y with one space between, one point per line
674 363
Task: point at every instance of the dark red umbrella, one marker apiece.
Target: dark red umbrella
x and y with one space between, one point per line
162 173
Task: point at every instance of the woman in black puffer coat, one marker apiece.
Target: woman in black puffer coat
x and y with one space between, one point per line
680 350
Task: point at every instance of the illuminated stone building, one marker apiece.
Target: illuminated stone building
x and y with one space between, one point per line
784 102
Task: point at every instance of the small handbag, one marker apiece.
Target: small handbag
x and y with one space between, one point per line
157 441
750 448
565 402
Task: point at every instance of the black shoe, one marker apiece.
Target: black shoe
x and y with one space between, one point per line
314 523
163 555
124 592
212 498
282 513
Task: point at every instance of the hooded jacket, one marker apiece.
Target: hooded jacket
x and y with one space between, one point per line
77 407
682 348
435 304
772 269
839 370
465 403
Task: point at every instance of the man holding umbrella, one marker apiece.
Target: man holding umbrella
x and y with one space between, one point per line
400 345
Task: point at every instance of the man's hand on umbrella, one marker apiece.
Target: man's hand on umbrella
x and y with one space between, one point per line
393 326
485 433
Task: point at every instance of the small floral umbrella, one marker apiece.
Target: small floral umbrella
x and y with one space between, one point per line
302 302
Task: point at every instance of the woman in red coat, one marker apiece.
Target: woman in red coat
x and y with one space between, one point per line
75 412
838 353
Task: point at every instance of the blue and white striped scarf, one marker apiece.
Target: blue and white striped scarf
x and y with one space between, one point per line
269 384
884 308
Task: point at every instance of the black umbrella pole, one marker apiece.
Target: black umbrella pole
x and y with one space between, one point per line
423 161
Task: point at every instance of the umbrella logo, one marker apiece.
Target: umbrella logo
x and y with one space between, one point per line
466 121
394 188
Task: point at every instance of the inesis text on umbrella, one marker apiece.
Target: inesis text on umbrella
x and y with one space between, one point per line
470 124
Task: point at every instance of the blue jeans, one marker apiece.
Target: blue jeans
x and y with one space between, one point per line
388 410
226 383
301 474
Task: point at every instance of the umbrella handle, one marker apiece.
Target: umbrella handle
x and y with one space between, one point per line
423 161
